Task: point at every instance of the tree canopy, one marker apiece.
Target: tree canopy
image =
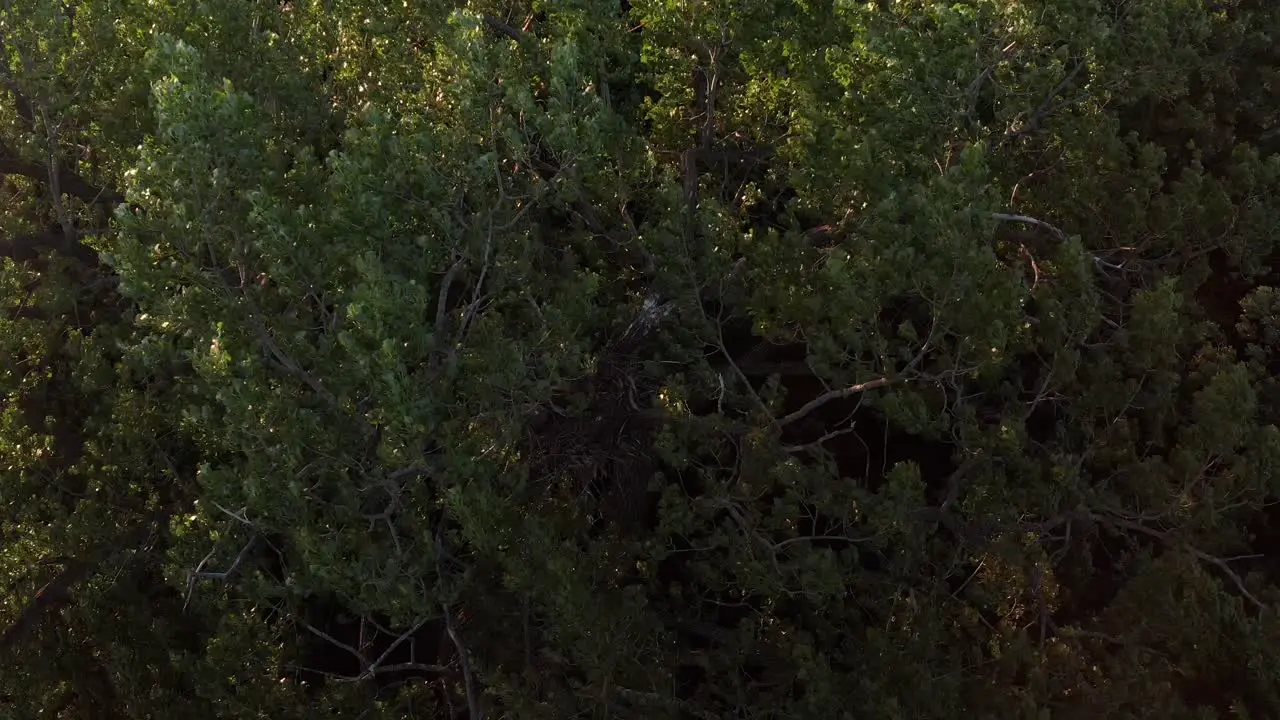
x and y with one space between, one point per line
664 359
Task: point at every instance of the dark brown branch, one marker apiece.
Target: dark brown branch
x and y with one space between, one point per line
27 248
1046 108
502 28
69 182
451 628
22 104
57 593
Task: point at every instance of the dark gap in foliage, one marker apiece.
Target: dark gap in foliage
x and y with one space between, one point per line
1220 294
318 660
1093 570
1263 532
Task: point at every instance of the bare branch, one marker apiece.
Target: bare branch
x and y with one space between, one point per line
336 643
377 664
398 667
1030 221
1226 570
825 398
813 538
238 517
1057 232
820 441
199 573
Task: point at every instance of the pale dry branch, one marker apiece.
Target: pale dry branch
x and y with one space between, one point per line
377 666
335 642
200 574
1226 570
825 398
1008 217
237 516
814 538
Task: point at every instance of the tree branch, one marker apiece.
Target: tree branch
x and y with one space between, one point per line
825 398
27 248
1045 109
1196 552
57 593
200 574
451 627
502 28
67 181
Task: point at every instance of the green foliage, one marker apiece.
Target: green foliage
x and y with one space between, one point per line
761 359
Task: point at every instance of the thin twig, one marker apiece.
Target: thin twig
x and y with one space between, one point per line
820 441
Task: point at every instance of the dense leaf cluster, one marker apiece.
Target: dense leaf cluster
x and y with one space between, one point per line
753 359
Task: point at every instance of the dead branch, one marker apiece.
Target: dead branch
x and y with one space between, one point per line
820 441
200 574
825 398
377 664
1226 570
814 538
1030 221
337 643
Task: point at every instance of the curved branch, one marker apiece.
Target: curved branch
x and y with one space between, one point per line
68 182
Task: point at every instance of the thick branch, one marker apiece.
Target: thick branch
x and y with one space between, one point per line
825 398
502 28
26 248
57 594
68 182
